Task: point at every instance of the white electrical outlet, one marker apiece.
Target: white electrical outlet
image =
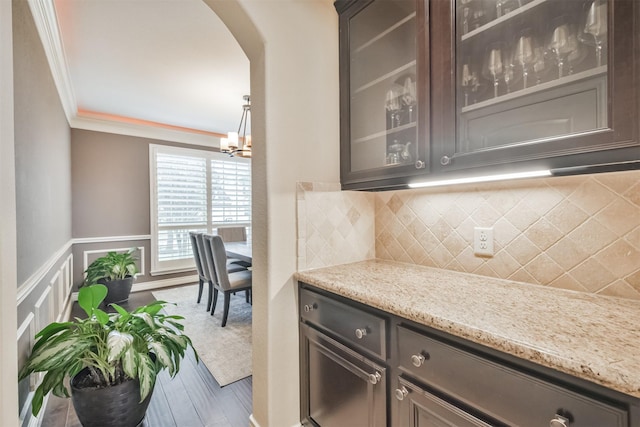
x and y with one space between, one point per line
483 241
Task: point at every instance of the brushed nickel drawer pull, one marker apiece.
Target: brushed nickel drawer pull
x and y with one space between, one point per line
559 421
417 360
361 332
401 393
375 378
310 307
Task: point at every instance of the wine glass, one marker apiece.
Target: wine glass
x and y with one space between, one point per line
392 105
409 96
508 76
494 66
469 81
466 18
594 32
524 54
540 65
562 43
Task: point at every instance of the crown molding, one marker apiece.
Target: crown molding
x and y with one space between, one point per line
144 131
44 16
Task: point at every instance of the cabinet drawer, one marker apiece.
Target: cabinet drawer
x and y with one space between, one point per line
356 327
505 394
419 408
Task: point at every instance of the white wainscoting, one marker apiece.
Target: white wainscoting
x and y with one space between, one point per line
53 304
63 287
107 239
29 285
26 336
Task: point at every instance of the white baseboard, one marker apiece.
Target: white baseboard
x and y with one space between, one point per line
254 423
164 283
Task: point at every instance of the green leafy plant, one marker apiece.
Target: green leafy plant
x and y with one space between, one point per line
112 266
114 347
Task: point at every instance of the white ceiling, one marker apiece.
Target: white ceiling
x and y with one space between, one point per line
171 61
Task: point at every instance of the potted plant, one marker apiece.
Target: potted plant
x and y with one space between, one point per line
111 359
115 270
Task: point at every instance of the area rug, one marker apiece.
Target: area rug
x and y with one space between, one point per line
226 352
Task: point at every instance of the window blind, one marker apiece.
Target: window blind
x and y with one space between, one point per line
231 192
194 190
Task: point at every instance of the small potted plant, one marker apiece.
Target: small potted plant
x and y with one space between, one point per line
115 270
111 359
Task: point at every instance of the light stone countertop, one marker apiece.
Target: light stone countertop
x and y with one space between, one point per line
588 336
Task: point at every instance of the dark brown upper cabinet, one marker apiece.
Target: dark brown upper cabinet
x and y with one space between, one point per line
531 84
500 86
384 92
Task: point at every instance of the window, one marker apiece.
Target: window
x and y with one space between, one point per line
193 190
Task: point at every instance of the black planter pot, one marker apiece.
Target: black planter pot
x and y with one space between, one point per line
118 290
115 406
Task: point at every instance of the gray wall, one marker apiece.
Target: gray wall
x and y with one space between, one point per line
110 184
43 189
42 148
111 197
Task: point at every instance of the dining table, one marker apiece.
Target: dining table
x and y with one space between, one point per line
239 250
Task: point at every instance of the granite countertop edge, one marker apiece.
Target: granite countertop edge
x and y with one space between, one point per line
584 335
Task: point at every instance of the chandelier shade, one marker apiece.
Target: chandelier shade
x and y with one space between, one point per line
239 143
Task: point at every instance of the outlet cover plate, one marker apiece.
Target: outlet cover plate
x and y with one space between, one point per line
483 241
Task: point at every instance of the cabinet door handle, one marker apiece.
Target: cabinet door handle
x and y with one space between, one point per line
401 393
417 360
361 332
420 164
445 160
375 378
310 307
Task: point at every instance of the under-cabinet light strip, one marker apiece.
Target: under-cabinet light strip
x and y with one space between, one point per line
485 178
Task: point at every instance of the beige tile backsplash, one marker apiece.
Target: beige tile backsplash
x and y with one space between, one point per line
334 227
580 232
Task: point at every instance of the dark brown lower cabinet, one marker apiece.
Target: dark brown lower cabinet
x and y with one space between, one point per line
342 388
361 367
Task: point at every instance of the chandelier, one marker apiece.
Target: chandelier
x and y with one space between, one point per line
233 144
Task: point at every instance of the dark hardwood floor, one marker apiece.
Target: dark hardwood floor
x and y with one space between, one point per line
193 398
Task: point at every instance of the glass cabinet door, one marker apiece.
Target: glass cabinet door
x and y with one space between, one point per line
379 45
534 80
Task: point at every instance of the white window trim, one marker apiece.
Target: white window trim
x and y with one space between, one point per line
169 267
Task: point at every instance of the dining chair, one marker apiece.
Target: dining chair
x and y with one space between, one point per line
208 275
198 260
227 282
234 234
